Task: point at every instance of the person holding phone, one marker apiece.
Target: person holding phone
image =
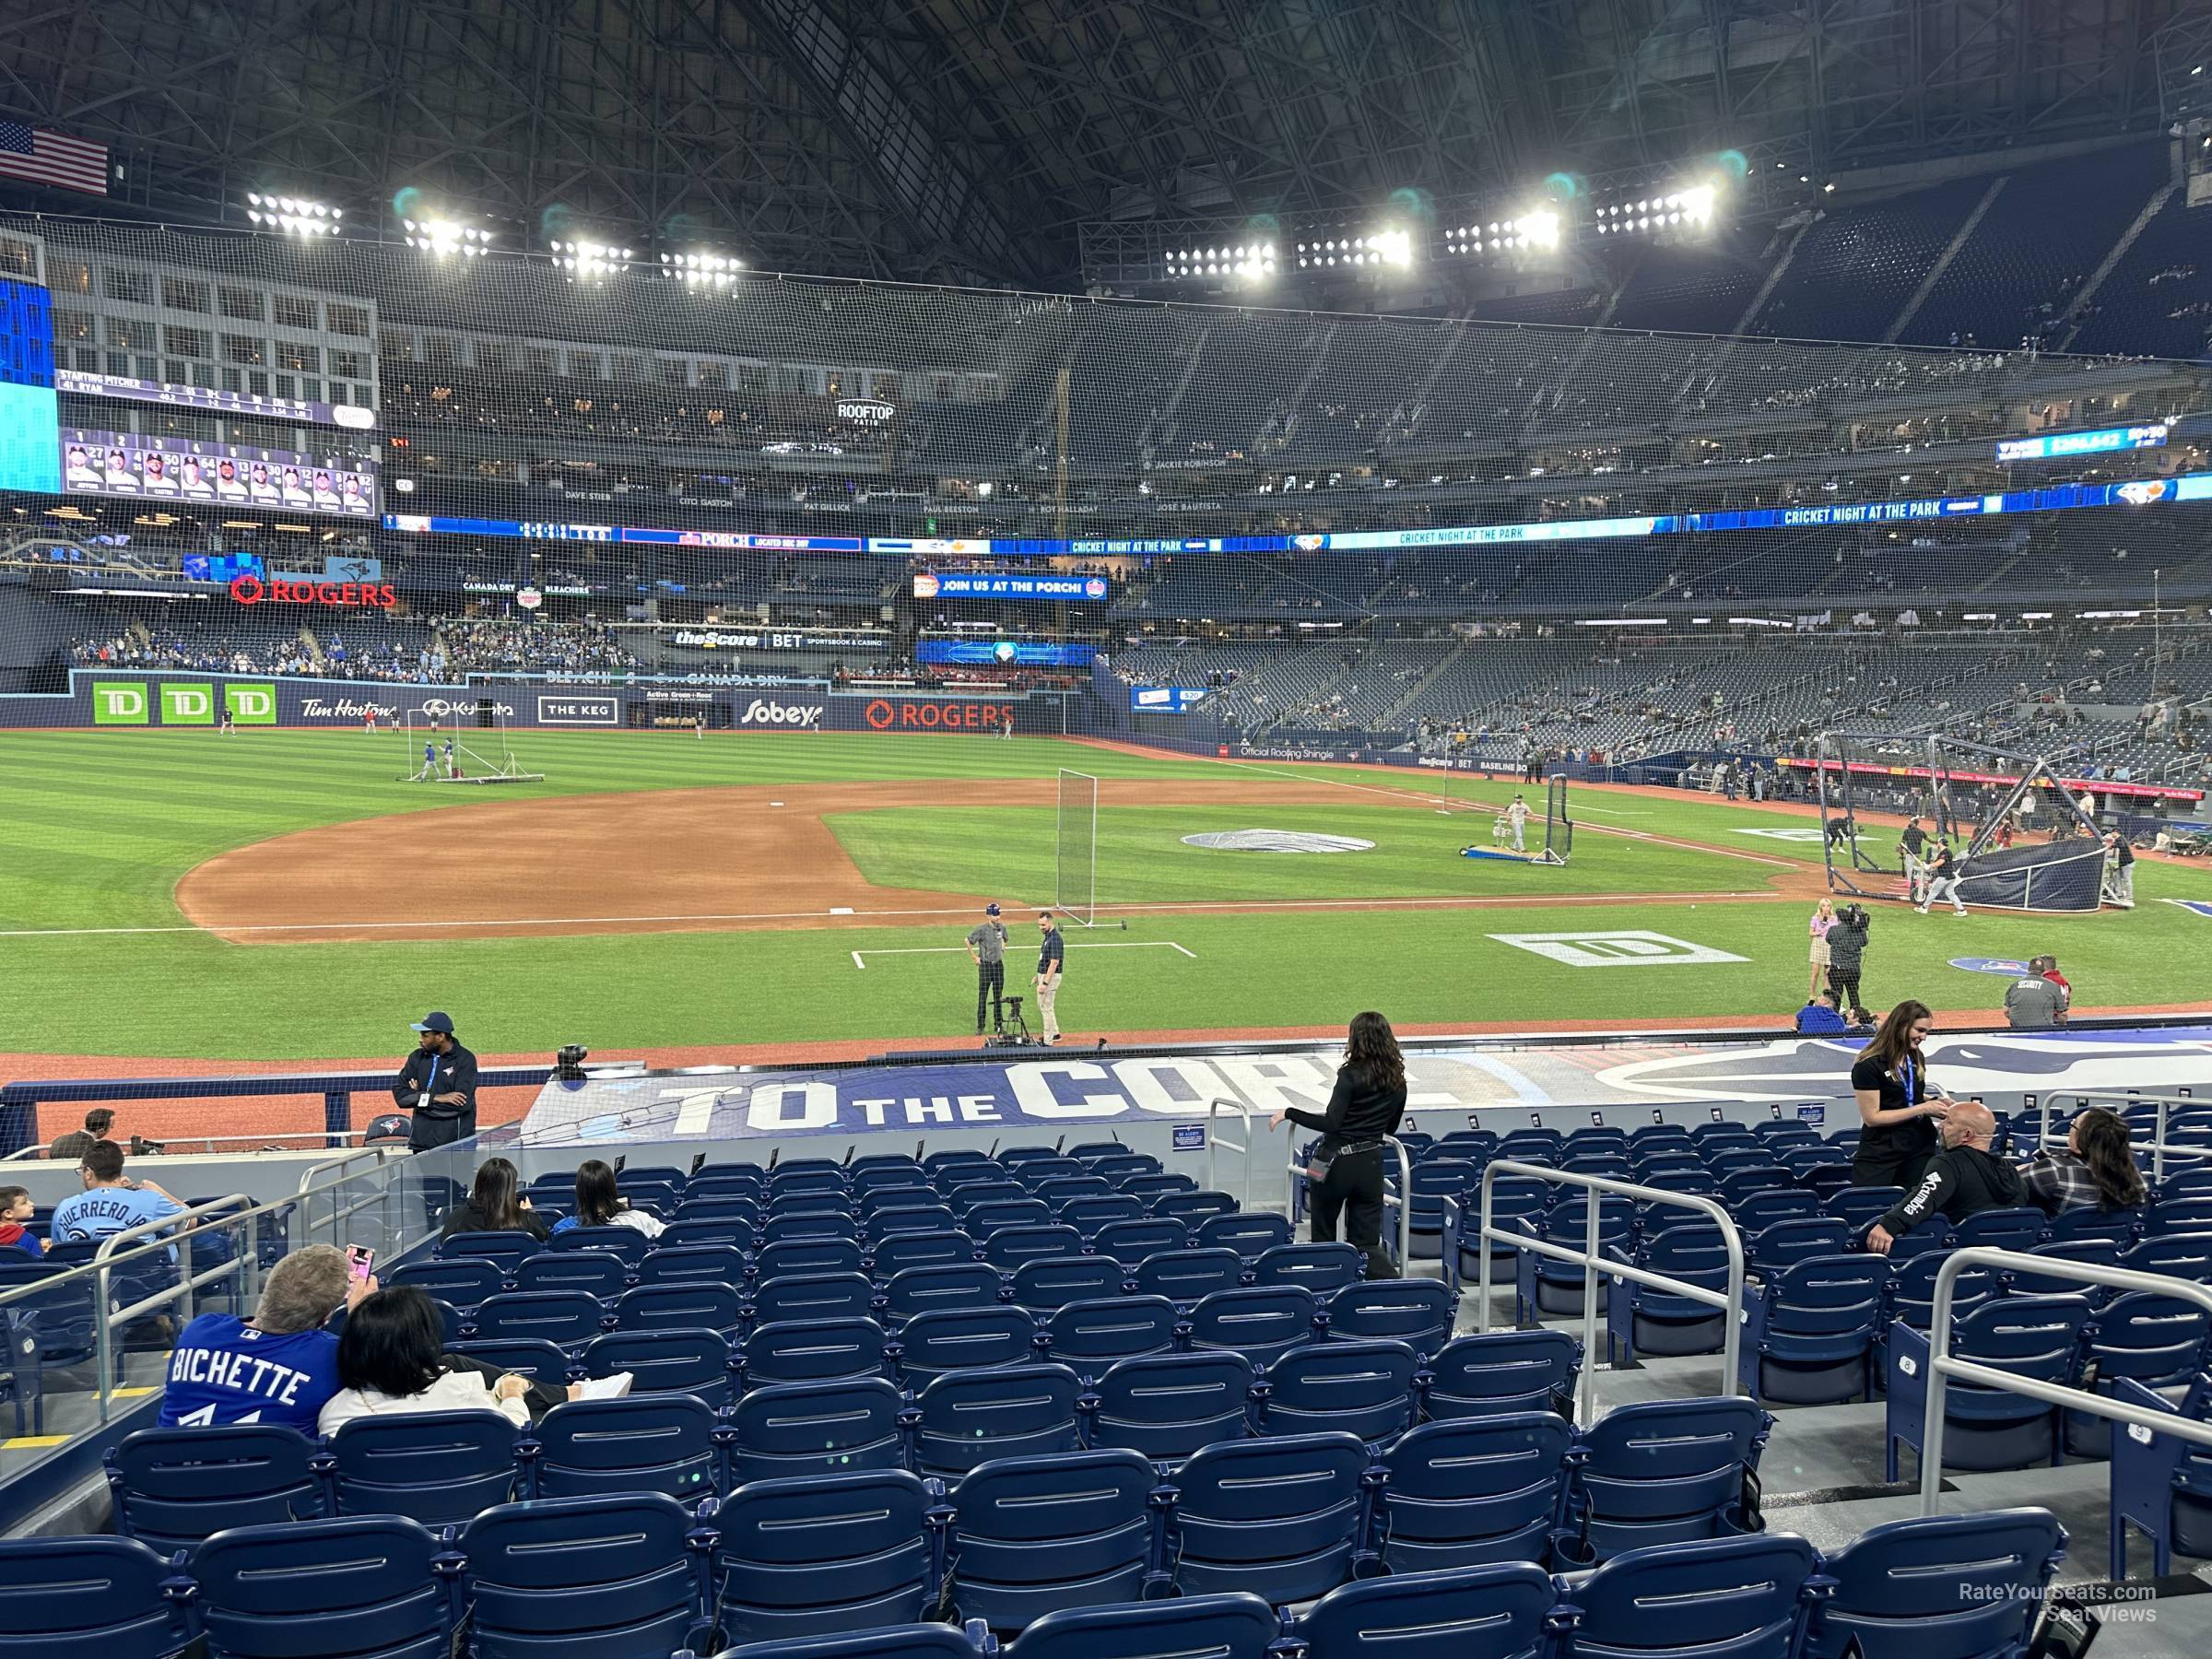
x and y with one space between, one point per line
278 1367
1899 1105
391 1362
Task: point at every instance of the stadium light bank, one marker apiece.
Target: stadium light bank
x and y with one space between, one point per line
295 216
447 239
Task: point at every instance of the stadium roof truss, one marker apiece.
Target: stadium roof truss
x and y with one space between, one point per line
976 139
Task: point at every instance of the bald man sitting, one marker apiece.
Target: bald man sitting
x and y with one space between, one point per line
1964 1177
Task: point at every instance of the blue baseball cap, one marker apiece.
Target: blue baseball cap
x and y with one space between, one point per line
990 909
436 1022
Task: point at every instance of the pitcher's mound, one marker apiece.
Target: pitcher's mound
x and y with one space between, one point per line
1277 841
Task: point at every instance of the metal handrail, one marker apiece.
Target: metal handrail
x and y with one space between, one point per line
248 1143
107 1317
181 1217
1213 1109
308 1175
1942 1367
1404 1196
2156 1145
1729 1302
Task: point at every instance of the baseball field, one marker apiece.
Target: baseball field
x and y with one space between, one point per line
282 896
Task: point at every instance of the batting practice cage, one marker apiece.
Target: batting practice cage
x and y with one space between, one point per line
2020 840
1558 829
466 744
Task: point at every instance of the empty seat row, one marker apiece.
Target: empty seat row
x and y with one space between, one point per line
783 1574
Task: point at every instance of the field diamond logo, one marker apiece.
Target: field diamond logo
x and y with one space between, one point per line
1788 833
1617 948
1276 840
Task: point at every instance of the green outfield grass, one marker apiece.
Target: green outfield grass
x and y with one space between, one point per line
96 828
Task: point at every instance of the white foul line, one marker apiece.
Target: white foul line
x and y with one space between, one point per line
1077 944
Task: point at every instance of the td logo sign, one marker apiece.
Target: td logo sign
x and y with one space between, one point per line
116 703
1618 947
182 703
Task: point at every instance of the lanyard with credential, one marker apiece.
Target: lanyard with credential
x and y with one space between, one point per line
1909 1072
429 1086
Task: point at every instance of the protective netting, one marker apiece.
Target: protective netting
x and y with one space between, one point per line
1075 848
757 502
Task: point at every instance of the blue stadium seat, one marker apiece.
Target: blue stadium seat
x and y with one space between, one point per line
437 1468
915 1290
1090 1336
1472 1490
1235 1626
2185 1255
816 1556
174 1487
600 1274
1762 1210
1148 1189
787 1258
1032 1536
465 1282
1662 1471
1184 1277
1418 1312
1323 1269
1262 1323
964 1339
2161 1485
683 1304
2158 1341
890 1221
103 1595
670 1360
900 1252
1544 1284
1776 1247
1363 1388
1499 1612
1168 1406
806 1175
1808 1335
813 1296
2034 1337
1745 1597
668 1263
1494 1371
2091 1251
966 1417
505 1249
1739 1185
568 1319
986 1186
1910 1295
1193 1208
362 1586
642 1443
2020 1228
1642 1319
1939 1586
1047 1283
1009 1247
1248 1235
627 1243
1034 1172
800 1226
794 1428
1066 1190
580 1577
812 1350
1514 1198
1008 1215
1129 1242
727 1232
1092 1216
1284 1518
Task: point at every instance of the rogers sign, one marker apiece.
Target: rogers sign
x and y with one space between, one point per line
253 590
884 715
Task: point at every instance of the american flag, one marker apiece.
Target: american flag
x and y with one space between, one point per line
29 152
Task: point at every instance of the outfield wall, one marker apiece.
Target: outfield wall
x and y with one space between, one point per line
126 700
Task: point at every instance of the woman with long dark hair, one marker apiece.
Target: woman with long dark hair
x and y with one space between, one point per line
391 1362
1898 1103
1344 1176
2096 1169
599 1203
495 1204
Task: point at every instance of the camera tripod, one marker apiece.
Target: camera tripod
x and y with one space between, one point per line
1013 1030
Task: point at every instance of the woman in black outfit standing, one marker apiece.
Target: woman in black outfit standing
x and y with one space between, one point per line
1898 1105
1366 1105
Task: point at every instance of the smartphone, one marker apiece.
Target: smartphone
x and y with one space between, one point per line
1774 1109
621 1158
360 1261
699 1162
